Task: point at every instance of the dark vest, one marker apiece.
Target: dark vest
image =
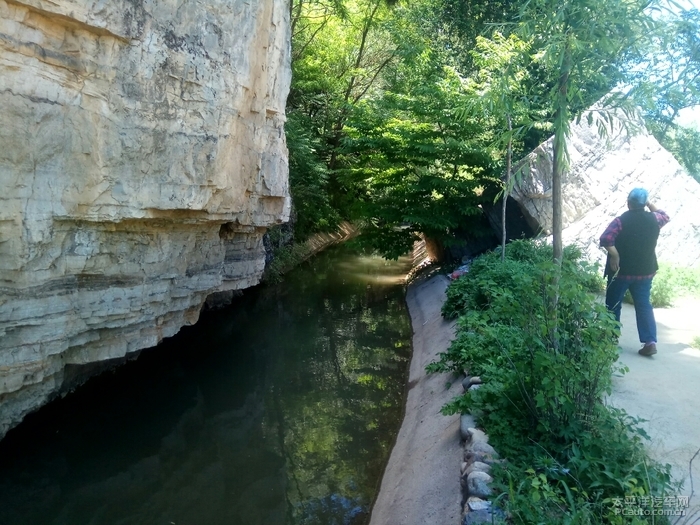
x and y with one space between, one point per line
636 243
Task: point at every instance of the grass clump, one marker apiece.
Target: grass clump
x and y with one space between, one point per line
570 458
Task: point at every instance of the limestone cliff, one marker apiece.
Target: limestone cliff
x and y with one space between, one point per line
142 157
602 172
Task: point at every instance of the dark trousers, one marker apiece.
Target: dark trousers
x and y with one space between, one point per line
641 295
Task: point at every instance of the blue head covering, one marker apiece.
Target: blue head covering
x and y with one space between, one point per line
637 198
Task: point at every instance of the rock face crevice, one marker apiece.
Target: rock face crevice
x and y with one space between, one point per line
142 160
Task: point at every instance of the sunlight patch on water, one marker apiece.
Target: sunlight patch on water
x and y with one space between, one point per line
375 270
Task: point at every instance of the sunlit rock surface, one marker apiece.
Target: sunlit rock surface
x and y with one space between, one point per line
602 172
142 157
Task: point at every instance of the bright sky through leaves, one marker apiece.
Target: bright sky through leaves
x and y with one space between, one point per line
689 117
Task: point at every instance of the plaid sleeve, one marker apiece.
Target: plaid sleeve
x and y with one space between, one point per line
611 233
662 218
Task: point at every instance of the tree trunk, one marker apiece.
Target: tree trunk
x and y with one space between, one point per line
506 189
561 128
561 131
556 206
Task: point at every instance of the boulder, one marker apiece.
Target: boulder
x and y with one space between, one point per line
478 484
476 435
602 172
466 422
477 466
474 504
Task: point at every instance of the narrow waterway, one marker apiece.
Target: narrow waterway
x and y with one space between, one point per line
281 409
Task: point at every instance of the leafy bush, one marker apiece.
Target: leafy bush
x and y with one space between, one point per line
546 370
663 290
683 143
522 256
308 179
672 282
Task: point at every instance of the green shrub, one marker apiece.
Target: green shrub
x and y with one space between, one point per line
663 290
522 256
546 371
509 325
590 484
672 282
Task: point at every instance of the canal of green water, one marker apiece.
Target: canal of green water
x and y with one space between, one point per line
281 409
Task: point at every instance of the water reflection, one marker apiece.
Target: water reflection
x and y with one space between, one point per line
280 410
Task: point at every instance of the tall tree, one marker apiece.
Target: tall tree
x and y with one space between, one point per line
415 167
458 24
584 44
340 51
668 84
497 91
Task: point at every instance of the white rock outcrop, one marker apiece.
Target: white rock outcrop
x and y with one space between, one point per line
602 172
142 157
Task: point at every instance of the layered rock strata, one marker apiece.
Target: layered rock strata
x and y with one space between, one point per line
602 172
142 160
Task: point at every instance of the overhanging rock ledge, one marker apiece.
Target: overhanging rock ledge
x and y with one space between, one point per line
143 157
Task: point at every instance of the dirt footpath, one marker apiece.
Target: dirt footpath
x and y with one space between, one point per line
665 389
421 482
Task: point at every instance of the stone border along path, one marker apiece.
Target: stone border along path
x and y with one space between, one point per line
474 472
